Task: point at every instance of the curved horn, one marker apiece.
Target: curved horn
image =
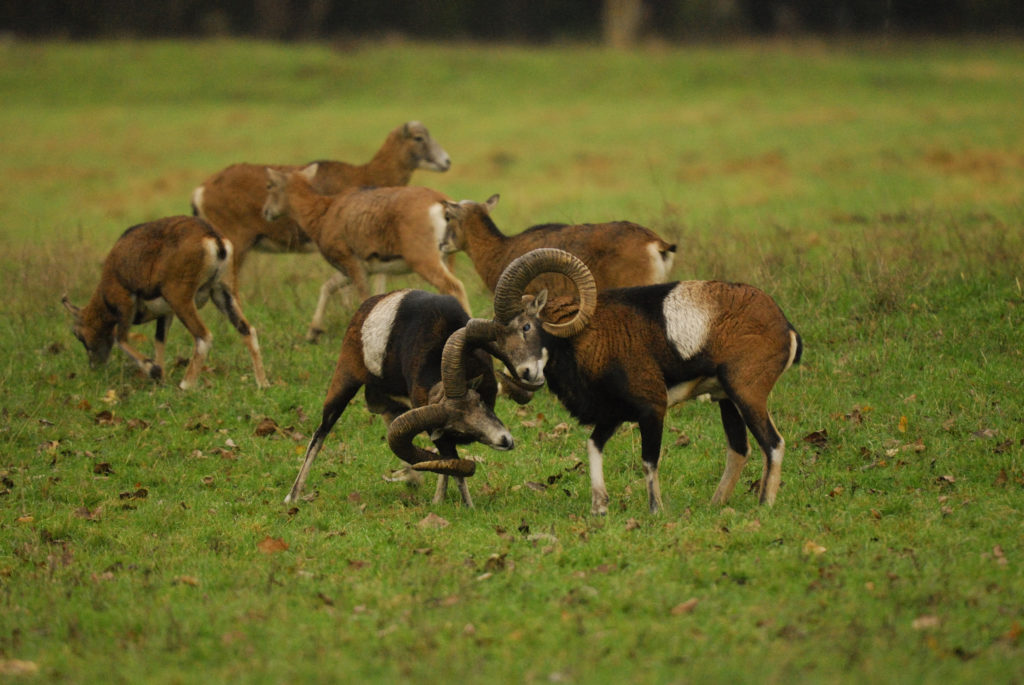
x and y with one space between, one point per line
453 365
510 288
475 333
405 427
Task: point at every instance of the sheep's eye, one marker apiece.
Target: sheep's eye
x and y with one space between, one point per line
526 328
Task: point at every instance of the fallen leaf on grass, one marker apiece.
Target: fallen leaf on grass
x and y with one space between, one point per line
812 548
632 524
89 514
495 562
538 420
110 397
18 667
141 493
269 545
191 581
818 438
1013 635
1000 557
102 469
267 426
926 622
685 607
432 520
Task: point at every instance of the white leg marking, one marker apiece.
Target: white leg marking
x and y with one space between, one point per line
464 491
196 364
653 487
441 490
253 342
312 449
773 476
598 491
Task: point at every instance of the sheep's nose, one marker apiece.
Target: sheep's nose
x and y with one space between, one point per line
507 443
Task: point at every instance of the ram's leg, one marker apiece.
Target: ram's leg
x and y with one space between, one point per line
446 450
163 324
595 457
227 302
464 491
737 450
441 490
341 393
380 284
650 447
330 286
755 414
148 366
123 305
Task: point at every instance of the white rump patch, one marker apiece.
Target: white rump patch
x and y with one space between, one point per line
792 349
687 318
197 200
661 264
376 330
437 220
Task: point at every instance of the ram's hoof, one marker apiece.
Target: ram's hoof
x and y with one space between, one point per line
448 467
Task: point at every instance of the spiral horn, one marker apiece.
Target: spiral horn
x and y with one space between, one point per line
508 293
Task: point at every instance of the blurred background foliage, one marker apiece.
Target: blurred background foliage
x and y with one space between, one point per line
616 22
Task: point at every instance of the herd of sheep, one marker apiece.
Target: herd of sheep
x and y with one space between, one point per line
584 309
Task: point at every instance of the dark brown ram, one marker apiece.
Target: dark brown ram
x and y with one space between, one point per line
413 352
648 348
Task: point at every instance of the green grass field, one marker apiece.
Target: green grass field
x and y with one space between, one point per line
876 190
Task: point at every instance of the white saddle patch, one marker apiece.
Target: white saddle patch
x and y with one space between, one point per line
377 329
687 318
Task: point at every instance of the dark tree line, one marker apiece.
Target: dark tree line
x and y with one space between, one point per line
615 21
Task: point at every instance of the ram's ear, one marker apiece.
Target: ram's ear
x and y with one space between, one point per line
474 384
535 306
309 171
276 178
492 202
451 209
75 311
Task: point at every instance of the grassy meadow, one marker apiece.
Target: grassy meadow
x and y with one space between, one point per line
876 190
